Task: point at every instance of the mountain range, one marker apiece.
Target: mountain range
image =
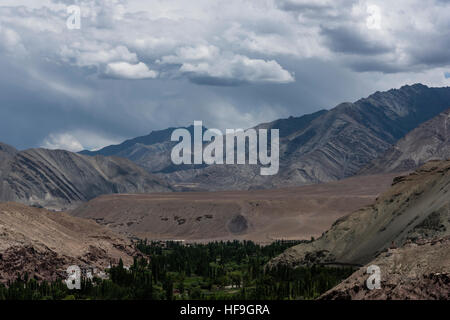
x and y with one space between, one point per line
429 141
390 131
59 180
333 188
151 152
323 146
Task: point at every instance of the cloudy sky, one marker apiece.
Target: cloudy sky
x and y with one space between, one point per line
136 66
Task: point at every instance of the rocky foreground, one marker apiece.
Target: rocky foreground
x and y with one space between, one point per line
44 243
418 270
406 233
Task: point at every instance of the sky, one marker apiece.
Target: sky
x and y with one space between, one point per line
136 66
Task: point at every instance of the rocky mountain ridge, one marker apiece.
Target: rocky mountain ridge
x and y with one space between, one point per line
59 179
429 141
324 146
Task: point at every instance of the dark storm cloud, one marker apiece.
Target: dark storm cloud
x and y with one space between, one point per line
433 51
374 64
292 5
346 40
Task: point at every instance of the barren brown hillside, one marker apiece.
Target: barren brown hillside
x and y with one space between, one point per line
259 215
44 243
417 206
416 271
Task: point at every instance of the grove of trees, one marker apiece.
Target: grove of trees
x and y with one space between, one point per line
172 270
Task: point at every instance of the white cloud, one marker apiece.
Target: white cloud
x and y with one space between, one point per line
207 65
198 53
11 42
62 141
125 70
97 54
10 37
227 115
77 140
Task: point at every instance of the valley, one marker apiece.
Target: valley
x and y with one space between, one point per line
258 215
362 183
